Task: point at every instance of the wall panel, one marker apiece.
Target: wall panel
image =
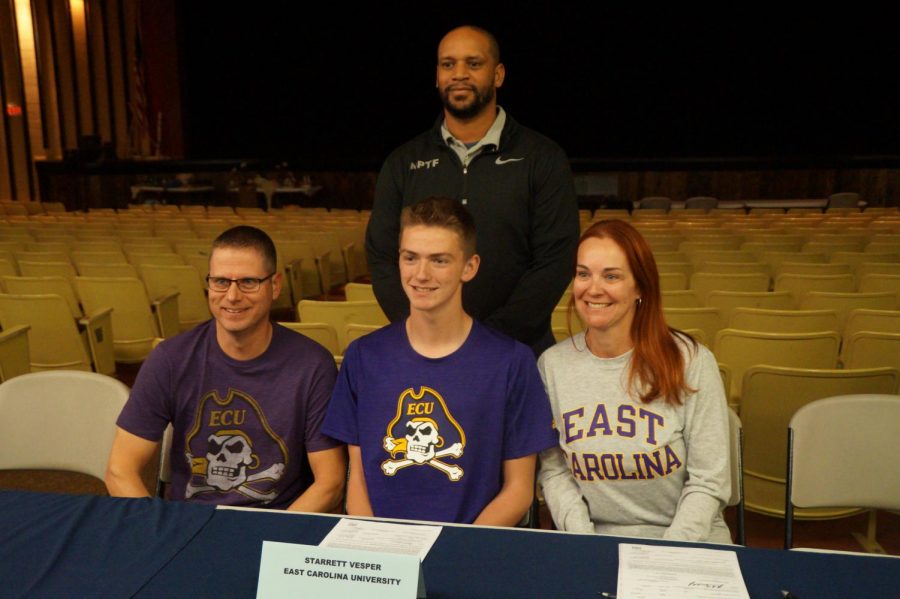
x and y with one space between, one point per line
99 69
115 77
66 84
78 13
17 143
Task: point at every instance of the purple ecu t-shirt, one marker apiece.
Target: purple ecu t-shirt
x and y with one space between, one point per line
434 432
242 428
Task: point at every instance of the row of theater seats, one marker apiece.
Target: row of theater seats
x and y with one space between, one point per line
842 201
33 210
765 393
743 210
340 237
13 209
93 289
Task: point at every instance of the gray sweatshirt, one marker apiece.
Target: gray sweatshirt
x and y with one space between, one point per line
628 468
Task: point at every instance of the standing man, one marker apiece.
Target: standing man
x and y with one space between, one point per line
443 416
515 182
245 398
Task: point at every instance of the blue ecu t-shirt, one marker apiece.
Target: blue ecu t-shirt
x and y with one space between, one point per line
434 432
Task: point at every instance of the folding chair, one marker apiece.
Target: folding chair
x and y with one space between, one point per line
736 449
831 445
60 420
164 472
771 395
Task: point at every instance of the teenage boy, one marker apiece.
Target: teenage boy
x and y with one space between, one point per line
443 416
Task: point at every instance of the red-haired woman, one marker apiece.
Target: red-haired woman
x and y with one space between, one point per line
640 408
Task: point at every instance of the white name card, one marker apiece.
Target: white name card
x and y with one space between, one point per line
288 570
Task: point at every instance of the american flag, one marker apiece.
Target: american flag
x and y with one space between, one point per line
140 134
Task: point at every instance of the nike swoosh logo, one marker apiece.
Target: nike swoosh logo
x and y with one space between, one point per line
501 161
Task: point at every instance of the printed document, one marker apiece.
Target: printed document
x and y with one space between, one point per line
659 572
387 537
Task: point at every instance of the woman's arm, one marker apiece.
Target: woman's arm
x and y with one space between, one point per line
708 486
562 494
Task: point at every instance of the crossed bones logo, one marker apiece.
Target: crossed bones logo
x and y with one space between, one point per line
421 433
228 457
420 447
232 449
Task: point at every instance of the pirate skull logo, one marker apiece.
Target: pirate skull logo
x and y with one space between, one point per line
228 457
232 449
420 446
422 439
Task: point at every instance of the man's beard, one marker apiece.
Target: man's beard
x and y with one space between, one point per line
479 101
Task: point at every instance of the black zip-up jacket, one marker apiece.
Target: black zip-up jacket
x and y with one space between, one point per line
522 197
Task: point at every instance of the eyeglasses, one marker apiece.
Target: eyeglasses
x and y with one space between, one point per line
247 284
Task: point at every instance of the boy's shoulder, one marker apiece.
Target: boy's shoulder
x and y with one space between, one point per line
482 340
494 340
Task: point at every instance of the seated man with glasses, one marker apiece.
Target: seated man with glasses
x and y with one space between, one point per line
245 398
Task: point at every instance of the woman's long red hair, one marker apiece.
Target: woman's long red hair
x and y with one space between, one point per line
657 362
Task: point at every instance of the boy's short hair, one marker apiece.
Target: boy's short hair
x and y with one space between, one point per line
445 213
245 236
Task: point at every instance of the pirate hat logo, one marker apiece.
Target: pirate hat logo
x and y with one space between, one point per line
422 431
223 456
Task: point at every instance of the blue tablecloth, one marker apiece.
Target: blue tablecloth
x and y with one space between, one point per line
223 560
87 546
65 546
